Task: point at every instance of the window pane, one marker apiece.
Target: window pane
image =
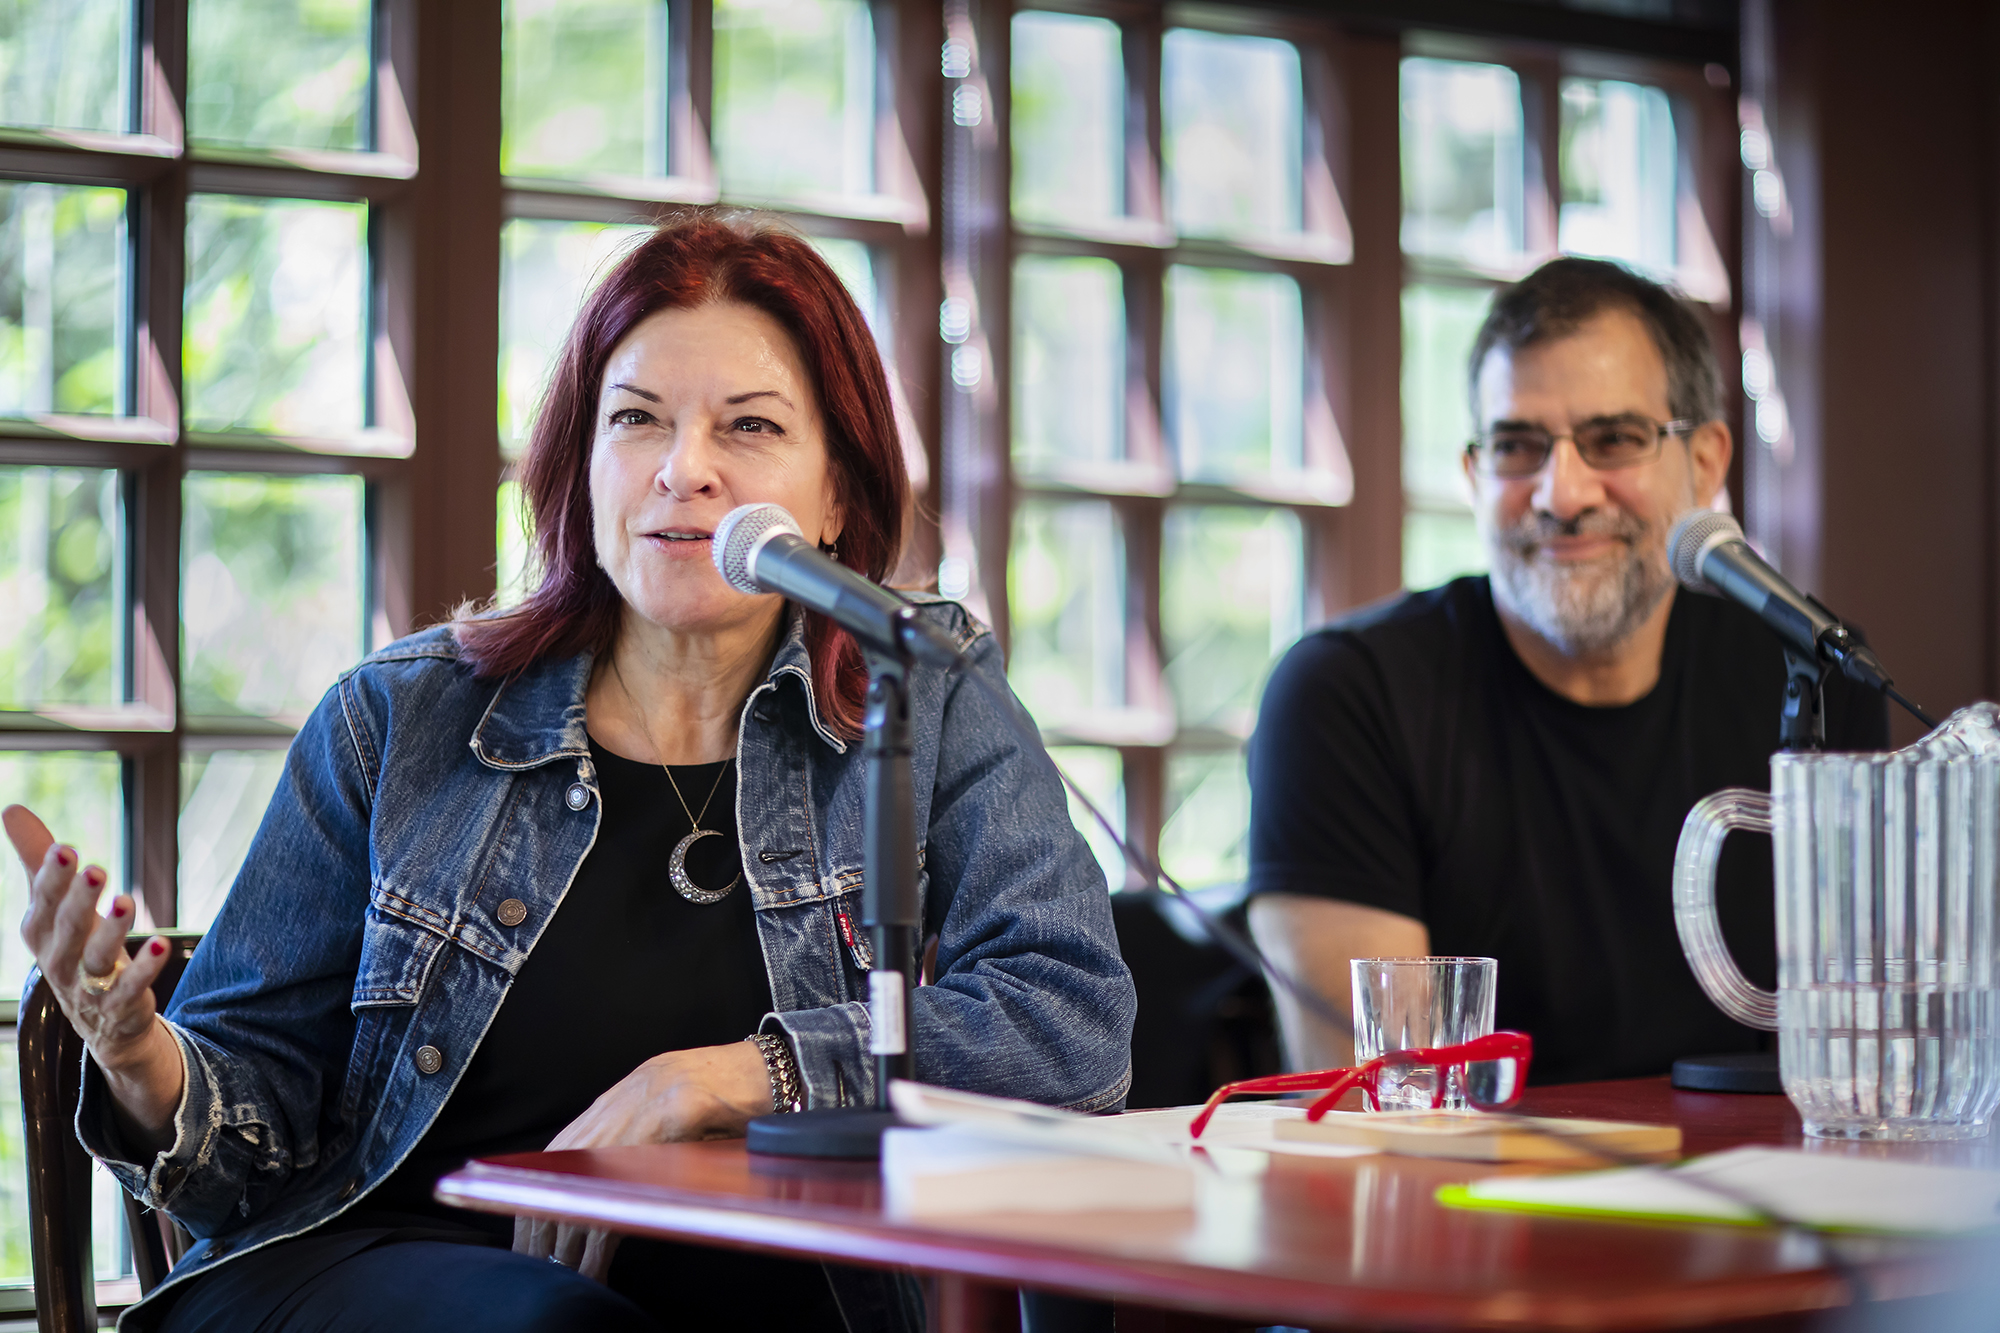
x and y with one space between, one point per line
273 330
79 795
111 1245
1232 112
271 606
60 562
1208 819
1440 545
1235 371
1618 173
546 269
66 63
1440 324
16 1259
279 73
223 795
585 88
1068 124
62 271
795 97
1066 597
1231 599
1069 361
1462 165
855 267
513 539
1100 772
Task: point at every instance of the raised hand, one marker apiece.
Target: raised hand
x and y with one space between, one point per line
106 998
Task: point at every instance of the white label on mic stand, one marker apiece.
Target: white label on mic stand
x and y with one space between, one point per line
885 1014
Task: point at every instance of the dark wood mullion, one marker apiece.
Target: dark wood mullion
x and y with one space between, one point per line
1362 555
1710 153
1329 387
1140 524
914 258
1147 435
153 491
1541 153
691 91
439 260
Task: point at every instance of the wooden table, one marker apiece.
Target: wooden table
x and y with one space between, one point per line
1347 1243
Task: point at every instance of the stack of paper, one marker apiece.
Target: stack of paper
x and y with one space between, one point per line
965 1169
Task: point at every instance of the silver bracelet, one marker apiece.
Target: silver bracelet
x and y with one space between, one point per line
787 1089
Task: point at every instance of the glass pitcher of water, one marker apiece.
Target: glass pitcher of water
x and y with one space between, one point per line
1888 886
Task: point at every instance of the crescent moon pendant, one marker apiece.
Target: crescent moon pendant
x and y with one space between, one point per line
684 883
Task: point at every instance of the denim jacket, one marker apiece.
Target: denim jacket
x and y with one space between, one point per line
360 956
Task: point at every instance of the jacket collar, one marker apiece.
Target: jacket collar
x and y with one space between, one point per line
537 716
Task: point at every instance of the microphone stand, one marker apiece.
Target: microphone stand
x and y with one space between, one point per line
891 912
1801 727
1802 720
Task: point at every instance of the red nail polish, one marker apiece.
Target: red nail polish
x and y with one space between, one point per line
118 909
94 877
158 947
65 857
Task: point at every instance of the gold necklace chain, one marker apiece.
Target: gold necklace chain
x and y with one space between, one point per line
694 820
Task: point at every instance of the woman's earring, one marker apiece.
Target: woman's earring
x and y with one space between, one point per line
832 550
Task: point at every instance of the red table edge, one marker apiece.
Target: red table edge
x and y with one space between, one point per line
799 1229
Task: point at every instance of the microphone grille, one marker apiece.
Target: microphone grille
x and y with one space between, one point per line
1696 533
742 530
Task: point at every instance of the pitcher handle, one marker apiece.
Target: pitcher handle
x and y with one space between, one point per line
1712 820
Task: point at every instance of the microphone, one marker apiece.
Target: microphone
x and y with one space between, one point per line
1711 554
760 548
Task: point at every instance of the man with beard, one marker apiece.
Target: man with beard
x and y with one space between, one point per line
1500 767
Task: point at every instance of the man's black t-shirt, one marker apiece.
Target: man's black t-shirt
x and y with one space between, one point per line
1406 759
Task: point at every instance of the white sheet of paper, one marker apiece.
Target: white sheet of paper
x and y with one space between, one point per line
1815 1188
1154 1135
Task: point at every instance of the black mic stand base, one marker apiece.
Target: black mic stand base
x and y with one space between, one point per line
1743 1071
853 1133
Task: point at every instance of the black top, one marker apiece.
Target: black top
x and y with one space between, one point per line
1406 759
627 969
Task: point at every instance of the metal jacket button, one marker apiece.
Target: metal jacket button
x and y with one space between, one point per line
429 1060
578 796
512 912
347 1190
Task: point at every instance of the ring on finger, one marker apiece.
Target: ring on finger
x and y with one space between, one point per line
98 984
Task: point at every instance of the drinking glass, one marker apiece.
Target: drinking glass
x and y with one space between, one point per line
1401 1004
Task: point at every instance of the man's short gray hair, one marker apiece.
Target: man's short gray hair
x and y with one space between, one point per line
1561 295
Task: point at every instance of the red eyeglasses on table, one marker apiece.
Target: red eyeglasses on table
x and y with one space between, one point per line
1492 1070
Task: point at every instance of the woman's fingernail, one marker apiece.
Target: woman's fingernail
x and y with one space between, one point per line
94 877
158 947
118 909
65 857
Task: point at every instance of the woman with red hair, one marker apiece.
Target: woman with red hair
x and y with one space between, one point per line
585 871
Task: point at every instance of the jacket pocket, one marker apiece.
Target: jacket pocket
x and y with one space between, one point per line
396 955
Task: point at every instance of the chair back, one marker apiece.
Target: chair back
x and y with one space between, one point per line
59 1169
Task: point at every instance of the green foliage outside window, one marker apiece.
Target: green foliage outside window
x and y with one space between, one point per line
65 63
271 601
272 333
794 97
59 586
584 88
1231 597
62 256
279 73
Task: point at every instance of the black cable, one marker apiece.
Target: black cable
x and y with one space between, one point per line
1930 723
